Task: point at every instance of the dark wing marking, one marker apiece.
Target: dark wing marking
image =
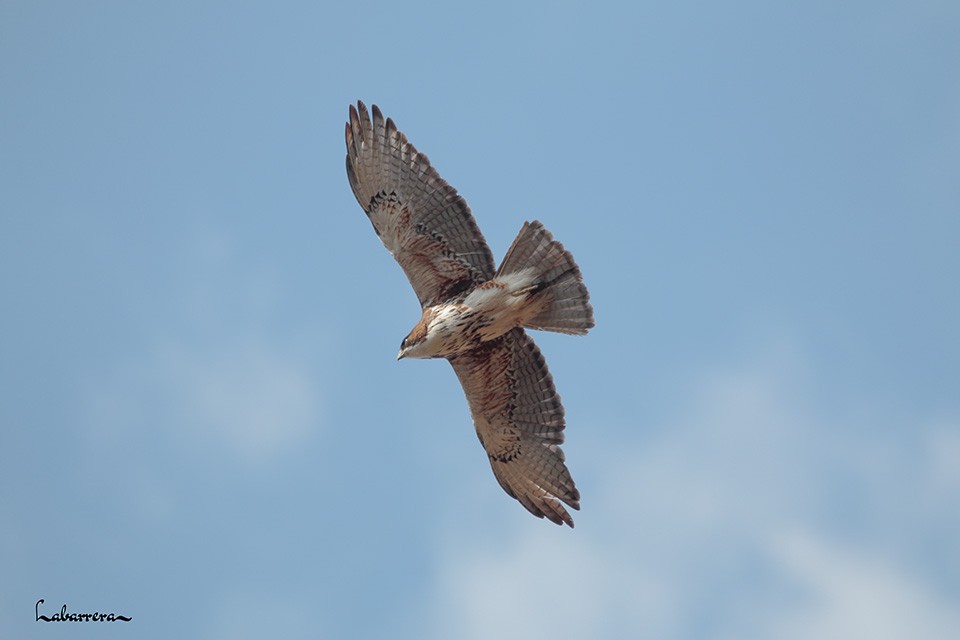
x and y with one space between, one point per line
421 219
519 420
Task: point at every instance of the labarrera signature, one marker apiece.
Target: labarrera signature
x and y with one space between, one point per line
67 616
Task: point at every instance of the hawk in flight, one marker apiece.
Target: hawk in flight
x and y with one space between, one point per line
474 313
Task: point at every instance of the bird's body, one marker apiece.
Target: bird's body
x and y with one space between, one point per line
474 316
482 314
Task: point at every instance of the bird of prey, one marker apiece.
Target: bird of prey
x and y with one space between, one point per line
474 314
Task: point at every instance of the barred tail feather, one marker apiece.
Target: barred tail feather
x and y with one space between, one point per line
558 287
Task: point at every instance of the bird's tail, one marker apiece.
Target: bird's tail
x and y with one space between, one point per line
558 284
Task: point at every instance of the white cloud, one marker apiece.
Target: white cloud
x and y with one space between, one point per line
852 593
249 400
546 586
943 450
733 522
253 399
213 369
240 613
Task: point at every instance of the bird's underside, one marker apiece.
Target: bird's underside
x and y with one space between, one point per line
473 314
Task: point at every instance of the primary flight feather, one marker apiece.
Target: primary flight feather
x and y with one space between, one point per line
473 313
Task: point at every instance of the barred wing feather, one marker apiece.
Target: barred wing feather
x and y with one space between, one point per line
520 421
422 220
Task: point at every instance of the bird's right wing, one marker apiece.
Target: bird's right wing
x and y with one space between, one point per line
519 420
421 219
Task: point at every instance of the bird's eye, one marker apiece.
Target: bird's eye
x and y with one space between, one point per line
403 343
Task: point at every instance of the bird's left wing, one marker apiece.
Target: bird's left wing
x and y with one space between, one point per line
519 420
421 219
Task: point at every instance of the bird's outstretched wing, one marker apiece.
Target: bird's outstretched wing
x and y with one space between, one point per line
519 420
421 219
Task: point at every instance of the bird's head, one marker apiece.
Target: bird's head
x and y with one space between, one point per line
418 344
405 349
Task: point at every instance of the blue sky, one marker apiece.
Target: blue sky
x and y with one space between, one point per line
203 423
